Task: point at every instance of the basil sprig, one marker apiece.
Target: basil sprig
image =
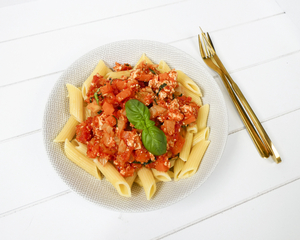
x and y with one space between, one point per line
153 138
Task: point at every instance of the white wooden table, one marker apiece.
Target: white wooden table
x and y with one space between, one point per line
246 197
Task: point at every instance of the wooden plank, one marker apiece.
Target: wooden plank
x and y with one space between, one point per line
30 19
22 106
44 16
26 173
240 176
55 51
274 215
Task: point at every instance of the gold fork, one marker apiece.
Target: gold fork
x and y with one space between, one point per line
259 136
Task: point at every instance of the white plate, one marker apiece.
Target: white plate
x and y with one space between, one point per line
102 192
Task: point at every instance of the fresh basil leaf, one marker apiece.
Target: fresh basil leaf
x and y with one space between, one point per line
149 123
136 111
154 140
140 125
161 87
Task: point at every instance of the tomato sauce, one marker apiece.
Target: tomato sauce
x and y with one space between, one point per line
109 135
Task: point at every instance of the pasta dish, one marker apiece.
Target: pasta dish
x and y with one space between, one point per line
140 124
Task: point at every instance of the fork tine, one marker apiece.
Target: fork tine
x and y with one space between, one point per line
200 47
209 39
206 49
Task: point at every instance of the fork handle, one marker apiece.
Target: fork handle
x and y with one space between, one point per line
263 151
264 136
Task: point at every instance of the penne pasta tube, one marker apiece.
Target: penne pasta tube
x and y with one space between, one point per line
202 117
161 176
100 69
192 164
87 113
76 102
177 168
188 83
81 160
80 147
68 131
171 174
130 180
192 128
143 58
138 181
202 135
115 178
148 182
114 75
163 67
185 151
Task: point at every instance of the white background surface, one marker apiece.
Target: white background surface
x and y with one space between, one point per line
246 197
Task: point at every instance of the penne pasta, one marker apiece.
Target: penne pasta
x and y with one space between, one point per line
118 75
192 128
163 67
130 180
202 135
171 174
76 102
114 177
188 83
68 131
148 182
138 181
80 147
100 69
177 168
185 151
161 176
202 117
143 58
81 160
193 162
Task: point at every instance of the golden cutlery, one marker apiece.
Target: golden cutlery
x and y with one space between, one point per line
259 136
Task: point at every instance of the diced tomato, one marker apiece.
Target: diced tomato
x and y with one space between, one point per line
162 163
106 89
124 94
94 107
142 155
178 145
84 132
163 76
144 77
120 84
108 108
168 127
190 119
111 120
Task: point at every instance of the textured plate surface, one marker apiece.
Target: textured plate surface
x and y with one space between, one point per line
102 192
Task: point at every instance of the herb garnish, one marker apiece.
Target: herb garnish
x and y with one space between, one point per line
116 120
100 112
145 163
161 87
155 101
152 71
153 138
96 95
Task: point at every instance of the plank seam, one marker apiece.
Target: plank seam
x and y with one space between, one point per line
46 199
224 210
